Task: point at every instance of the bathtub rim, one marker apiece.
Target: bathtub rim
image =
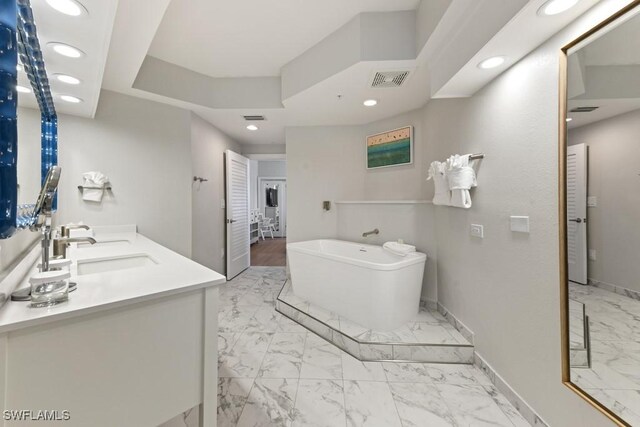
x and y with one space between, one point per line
410 259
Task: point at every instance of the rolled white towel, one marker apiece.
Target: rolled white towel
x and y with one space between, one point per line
461 177
94 183
400 249
437 172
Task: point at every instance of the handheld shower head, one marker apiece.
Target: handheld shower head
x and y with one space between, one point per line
44 205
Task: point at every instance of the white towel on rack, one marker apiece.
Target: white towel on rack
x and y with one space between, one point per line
437 172
93 183
400 249
461 178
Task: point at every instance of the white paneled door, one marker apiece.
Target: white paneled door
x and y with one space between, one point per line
577 212
237 181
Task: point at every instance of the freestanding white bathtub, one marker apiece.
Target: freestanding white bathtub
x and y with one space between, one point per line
363 283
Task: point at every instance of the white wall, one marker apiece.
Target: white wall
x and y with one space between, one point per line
253 184
144 148
272 168
328 163
505 287
150 152
208 145
263 149
323 163
614 150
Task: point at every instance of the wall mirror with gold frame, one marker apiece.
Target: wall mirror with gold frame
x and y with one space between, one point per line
600 215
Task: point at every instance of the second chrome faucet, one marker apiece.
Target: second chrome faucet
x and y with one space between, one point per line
61 243
369 233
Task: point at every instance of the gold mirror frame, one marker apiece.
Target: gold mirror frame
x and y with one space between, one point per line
562 173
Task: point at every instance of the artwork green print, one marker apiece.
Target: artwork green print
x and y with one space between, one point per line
390 148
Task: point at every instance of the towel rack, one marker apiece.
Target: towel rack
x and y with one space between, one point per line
476 156
84 187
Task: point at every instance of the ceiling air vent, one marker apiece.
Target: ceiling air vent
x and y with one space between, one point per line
583 109
389 78
253 118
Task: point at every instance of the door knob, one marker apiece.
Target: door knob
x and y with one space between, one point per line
231 221
578 220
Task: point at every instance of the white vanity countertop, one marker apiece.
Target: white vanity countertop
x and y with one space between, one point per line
172 274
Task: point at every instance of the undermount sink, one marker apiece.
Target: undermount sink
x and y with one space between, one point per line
124 262
84 245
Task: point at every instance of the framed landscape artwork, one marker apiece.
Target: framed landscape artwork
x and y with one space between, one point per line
391 148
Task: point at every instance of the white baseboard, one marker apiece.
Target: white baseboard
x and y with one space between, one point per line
512 396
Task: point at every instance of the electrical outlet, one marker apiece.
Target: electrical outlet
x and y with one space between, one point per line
477 230
592 254
520 224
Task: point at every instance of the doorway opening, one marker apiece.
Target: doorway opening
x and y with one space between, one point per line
269 217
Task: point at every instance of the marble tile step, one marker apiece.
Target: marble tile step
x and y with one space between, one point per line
429 338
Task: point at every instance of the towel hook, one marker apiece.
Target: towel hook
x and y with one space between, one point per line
199 179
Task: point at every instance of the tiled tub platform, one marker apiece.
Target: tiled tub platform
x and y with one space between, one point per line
427 338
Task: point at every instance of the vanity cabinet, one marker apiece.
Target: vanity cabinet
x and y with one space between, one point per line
131 348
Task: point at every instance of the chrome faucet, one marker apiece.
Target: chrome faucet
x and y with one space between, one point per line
369 233
61 244
65 229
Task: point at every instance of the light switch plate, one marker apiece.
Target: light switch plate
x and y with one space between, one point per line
477 230
592 201
520 224
592 254
223 204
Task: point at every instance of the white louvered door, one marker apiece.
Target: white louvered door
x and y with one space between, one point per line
237 182
577 212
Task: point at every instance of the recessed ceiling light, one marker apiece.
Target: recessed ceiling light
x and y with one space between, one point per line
554 7
66 50
493 62
370 103
23 89
68 7
252 127
569 119
67 79
71 99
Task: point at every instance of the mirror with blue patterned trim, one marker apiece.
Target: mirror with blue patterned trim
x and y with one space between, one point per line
26 153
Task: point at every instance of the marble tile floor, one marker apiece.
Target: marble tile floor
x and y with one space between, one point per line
273 372
614 326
